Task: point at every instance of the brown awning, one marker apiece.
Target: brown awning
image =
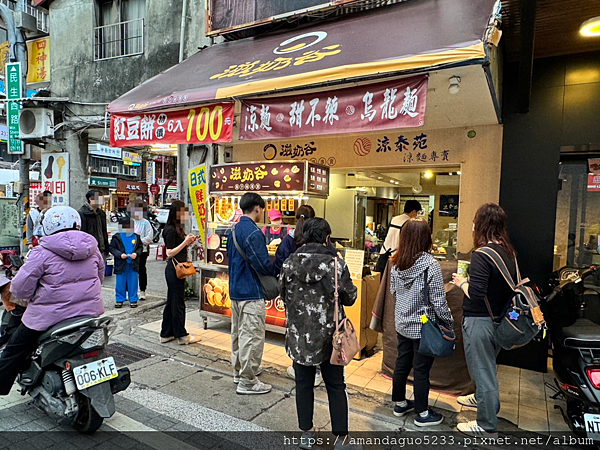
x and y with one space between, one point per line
414 36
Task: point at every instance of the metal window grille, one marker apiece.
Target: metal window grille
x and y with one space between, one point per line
119 39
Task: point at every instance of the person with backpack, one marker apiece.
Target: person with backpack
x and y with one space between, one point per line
392 239
481 348
413 267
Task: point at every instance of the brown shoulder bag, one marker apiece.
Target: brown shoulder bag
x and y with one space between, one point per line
345 343
184 269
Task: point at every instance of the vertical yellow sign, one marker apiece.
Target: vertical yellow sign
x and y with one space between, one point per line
38 52
4 56
198 194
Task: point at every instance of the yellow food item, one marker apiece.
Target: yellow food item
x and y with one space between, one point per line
218 290
218 299
211 298
212 282
274 171
277 183
295 169
227 303
207 288
287 178
222 171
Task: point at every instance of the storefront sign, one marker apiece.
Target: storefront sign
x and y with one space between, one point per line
155 189
38 53
593 183
55 175
103 182
13 91
269 177
198 195
132 186
394 104
3 133
131 158
204 124
150 172
594 165
104 151
35 189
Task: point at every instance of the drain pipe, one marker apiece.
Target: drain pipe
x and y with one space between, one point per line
183 27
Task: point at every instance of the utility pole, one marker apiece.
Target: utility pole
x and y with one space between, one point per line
18 54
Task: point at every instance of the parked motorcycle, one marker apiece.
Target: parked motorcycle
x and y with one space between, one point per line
572 312
156 226
71 377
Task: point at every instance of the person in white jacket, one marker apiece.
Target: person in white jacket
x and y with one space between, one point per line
142 226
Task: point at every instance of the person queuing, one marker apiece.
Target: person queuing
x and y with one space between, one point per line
307 285
290 243
93 220
176 243
34 225
126 247
62 279
490 229
275 230
248 311
142 227
413 266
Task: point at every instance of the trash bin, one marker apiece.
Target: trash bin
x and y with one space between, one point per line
108 270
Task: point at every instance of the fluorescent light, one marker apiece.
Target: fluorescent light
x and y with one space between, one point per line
458 173
591 27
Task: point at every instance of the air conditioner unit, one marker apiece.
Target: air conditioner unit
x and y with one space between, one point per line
133 172
35 123
104 170
114 169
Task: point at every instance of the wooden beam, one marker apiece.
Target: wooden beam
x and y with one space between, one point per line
526 54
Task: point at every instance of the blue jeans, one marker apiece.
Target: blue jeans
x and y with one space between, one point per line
127 283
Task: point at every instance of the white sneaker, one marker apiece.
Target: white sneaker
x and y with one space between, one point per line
142 295
472 429
257 389
318 378
291 373
467 400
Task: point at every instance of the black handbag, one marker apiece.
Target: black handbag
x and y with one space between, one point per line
269 283
437 337
384 257
522 318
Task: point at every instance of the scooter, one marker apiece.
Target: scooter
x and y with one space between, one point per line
71 377
11 320
572 311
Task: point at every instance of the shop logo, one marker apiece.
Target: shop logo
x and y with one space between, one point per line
270 152
301 42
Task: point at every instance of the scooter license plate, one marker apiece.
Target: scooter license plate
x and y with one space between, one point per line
95 373
592 426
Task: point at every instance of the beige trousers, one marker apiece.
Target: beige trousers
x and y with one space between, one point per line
247 339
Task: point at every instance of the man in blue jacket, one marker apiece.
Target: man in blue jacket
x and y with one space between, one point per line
248 306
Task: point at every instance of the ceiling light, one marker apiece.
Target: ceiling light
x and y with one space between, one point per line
591 27
457 173
396 182
379 178
454 87
392 181
428 174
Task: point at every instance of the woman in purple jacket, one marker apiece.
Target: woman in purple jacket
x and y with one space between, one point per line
61 279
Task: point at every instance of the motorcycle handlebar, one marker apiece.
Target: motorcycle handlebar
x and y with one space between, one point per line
554 293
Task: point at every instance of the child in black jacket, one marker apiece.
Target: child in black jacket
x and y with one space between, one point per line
126 247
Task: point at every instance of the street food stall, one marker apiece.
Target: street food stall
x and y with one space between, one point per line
285 186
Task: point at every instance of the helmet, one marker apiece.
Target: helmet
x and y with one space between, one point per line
60 218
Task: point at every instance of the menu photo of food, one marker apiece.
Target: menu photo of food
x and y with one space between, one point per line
215 295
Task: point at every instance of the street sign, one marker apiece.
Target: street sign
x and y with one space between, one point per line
14 89
154 189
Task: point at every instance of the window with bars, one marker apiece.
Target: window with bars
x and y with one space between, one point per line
120 30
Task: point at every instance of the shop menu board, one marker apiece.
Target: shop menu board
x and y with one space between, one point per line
270 176
215 299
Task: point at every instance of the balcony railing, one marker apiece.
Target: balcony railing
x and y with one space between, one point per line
119 39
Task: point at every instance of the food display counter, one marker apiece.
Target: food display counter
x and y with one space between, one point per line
285 186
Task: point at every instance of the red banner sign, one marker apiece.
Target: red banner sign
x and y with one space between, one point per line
393 104
204 124
593 183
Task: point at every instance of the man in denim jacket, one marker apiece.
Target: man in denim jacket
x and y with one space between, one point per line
248 307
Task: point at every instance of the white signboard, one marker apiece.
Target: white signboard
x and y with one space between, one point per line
3 133
55 177
105 151
150 172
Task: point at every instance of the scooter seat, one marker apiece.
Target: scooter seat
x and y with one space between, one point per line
70 324
582 334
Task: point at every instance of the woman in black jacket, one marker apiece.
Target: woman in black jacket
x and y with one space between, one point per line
481 349
307 285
